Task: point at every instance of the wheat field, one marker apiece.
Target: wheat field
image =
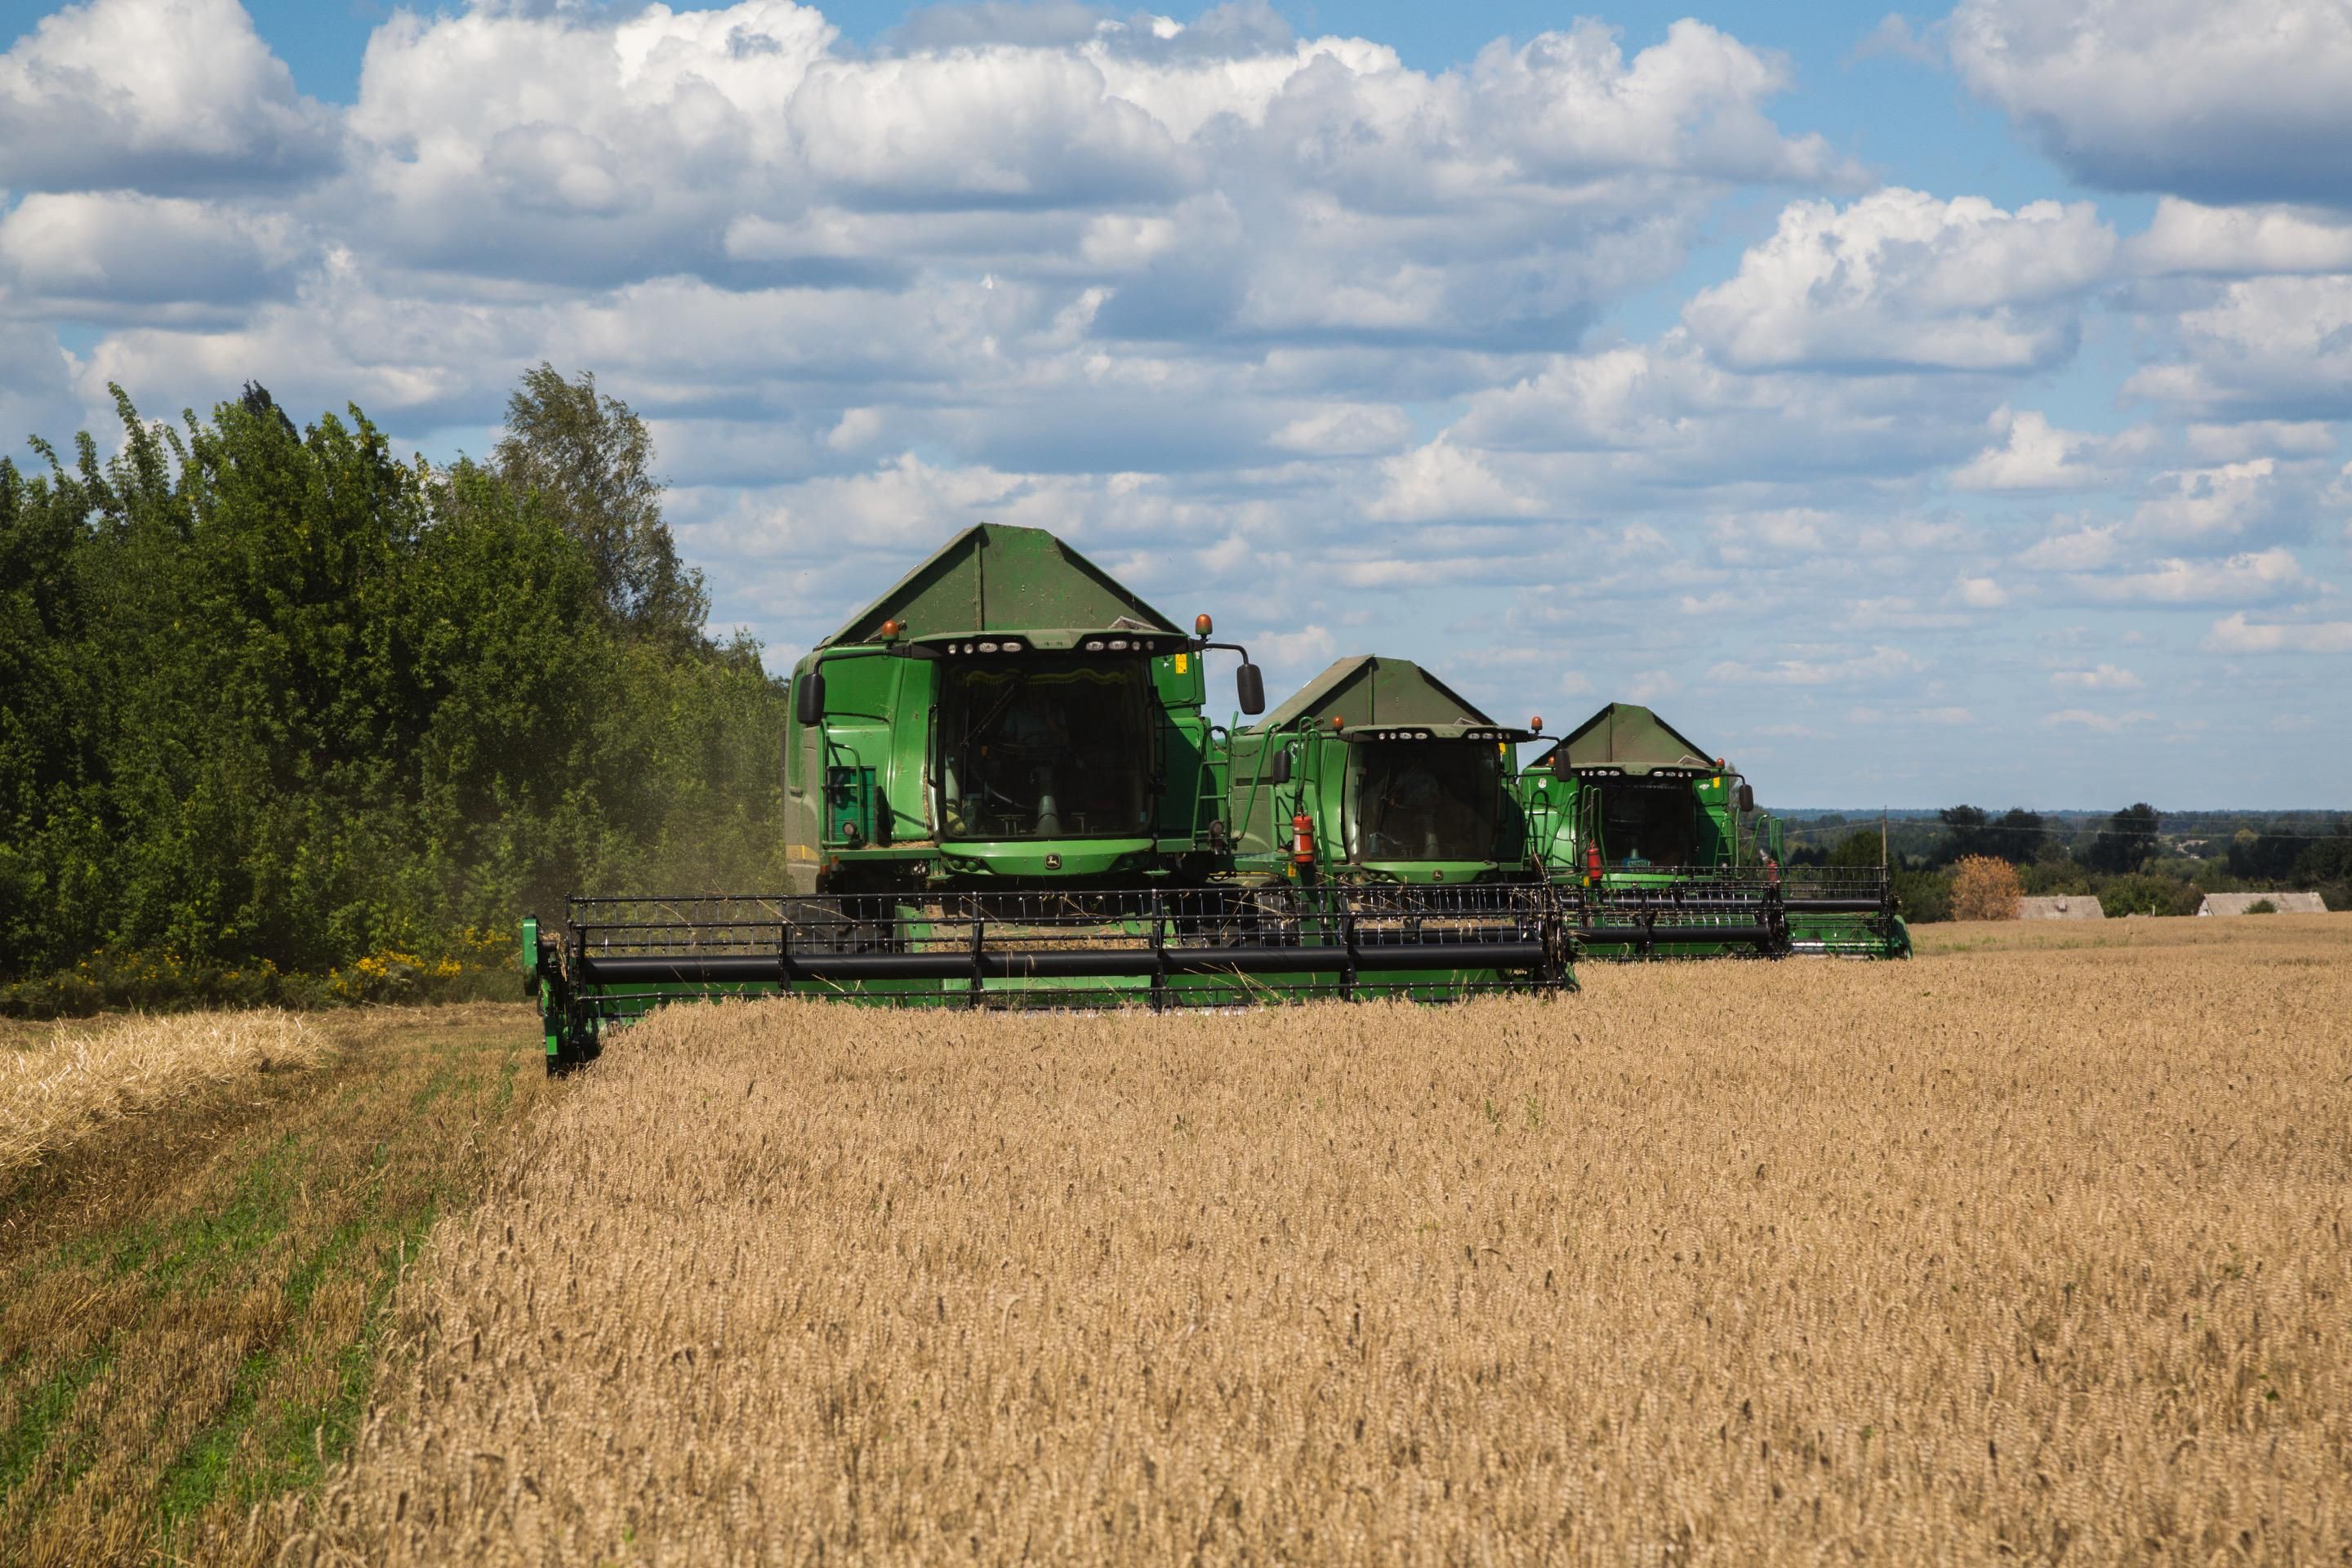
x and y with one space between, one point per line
59 1085
2010 1254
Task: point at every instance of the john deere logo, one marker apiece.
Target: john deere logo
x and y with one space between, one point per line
1053 862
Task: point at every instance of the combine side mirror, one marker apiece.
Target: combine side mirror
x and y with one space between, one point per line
808 697
1251 688
1747 797
1277 771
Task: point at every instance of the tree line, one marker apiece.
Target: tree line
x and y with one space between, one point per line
2128 861
274 703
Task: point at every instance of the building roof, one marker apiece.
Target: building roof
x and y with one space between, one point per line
1625 737
995 577
2061 907
2285 903
1371 692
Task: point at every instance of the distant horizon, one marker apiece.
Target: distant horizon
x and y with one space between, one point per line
2162 810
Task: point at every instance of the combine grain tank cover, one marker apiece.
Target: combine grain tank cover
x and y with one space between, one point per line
998 578
1626 738
1371 693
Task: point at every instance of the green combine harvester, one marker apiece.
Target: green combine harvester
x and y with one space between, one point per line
1378 778
1660 853
1001 789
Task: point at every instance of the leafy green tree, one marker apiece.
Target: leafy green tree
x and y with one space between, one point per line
2127 842
1924 897
2017 835
269 694
588 460
1860 849
1964 832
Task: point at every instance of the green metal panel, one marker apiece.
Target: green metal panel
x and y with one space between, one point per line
850 806
1628 738
999 578
1368 690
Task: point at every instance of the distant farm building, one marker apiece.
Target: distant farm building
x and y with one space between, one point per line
2285 903
2061 907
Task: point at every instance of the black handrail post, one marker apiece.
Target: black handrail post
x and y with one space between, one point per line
1348 942
1159 956
979 928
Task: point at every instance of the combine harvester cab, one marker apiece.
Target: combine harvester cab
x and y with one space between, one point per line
1660 854
999 790
1376 806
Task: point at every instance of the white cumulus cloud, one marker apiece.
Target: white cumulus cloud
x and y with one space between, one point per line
2104 678
92 250
2235 633
2219 102
2248 578
1902 278
1880 665
1982 594
167 96
2033 455
2208 503
2275 346
2190 237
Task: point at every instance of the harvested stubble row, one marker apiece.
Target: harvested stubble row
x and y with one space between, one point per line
2025 1254
193 1298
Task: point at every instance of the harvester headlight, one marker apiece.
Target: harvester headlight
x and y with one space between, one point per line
1094 644
1118 644
1010 647
988 647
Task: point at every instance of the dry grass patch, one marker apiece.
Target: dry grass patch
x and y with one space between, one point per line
193 1301
2033 1254
67 1081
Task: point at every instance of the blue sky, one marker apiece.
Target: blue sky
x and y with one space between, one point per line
1918 407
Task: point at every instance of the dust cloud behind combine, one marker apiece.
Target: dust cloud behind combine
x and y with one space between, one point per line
2019 1252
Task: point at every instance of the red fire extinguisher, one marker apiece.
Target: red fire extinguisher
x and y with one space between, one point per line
1302 840
1592 859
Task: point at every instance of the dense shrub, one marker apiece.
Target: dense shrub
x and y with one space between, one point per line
1985 889
2141 894
1924 897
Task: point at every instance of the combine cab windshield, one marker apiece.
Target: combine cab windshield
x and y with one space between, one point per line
1424 800
1648 824
1045 748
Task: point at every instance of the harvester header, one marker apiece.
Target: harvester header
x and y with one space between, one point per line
1660 853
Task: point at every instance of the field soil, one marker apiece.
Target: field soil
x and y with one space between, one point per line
194 1286
2032 1248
